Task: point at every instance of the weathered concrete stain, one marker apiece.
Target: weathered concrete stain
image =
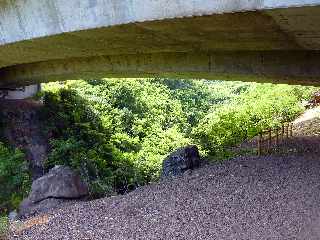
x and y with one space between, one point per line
92 3
76 15
237 31
293 22
273 66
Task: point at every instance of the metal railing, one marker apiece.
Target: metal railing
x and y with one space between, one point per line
271 138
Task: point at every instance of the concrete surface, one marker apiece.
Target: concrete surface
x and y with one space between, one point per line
20 93
55 39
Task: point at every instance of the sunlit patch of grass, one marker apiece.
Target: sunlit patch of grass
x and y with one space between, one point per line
4 228
19 226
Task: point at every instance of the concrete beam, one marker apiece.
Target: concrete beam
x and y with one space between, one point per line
30 19
250 31
57 39
298 67
19 93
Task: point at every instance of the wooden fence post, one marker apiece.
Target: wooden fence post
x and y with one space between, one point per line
269 139
259 144
282 133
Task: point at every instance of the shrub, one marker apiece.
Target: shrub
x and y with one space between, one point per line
264 106
14 177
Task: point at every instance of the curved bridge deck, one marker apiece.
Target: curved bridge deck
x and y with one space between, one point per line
250 40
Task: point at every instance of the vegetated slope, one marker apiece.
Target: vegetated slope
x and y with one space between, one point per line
269 197
117 132
24 153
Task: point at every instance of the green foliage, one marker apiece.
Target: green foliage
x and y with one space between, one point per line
106 130
198 97
4 228
263 106
14 178
117 132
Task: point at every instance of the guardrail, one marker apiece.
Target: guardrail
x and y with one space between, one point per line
273 137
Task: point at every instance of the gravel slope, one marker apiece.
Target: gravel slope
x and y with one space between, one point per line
270 197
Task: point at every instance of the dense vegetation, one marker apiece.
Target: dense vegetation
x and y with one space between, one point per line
117 132
14 178
261 107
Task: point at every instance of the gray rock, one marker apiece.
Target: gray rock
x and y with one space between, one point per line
60 182
181 161
13 216
59 185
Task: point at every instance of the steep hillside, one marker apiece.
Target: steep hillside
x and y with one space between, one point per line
269 197
23 129
115 135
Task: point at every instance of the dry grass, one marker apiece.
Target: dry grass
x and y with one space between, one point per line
19 226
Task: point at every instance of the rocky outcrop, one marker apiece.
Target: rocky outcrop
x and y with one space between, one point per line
60 185
23 129
180 161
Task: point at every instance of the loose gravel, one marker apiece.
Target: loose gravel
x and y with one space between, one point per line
271 197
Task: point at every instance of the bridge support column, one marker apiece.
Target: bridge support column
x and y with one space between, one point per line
19 92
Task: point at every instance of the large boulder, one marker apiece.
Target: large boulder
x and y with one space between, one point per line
60 182
180 161
59 185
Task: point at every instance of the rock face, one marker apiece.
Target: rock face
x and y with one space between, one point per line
23 128
180 161
61 184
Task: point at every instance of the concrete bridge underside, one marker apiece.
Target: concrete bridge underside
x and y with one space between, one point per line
249 40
